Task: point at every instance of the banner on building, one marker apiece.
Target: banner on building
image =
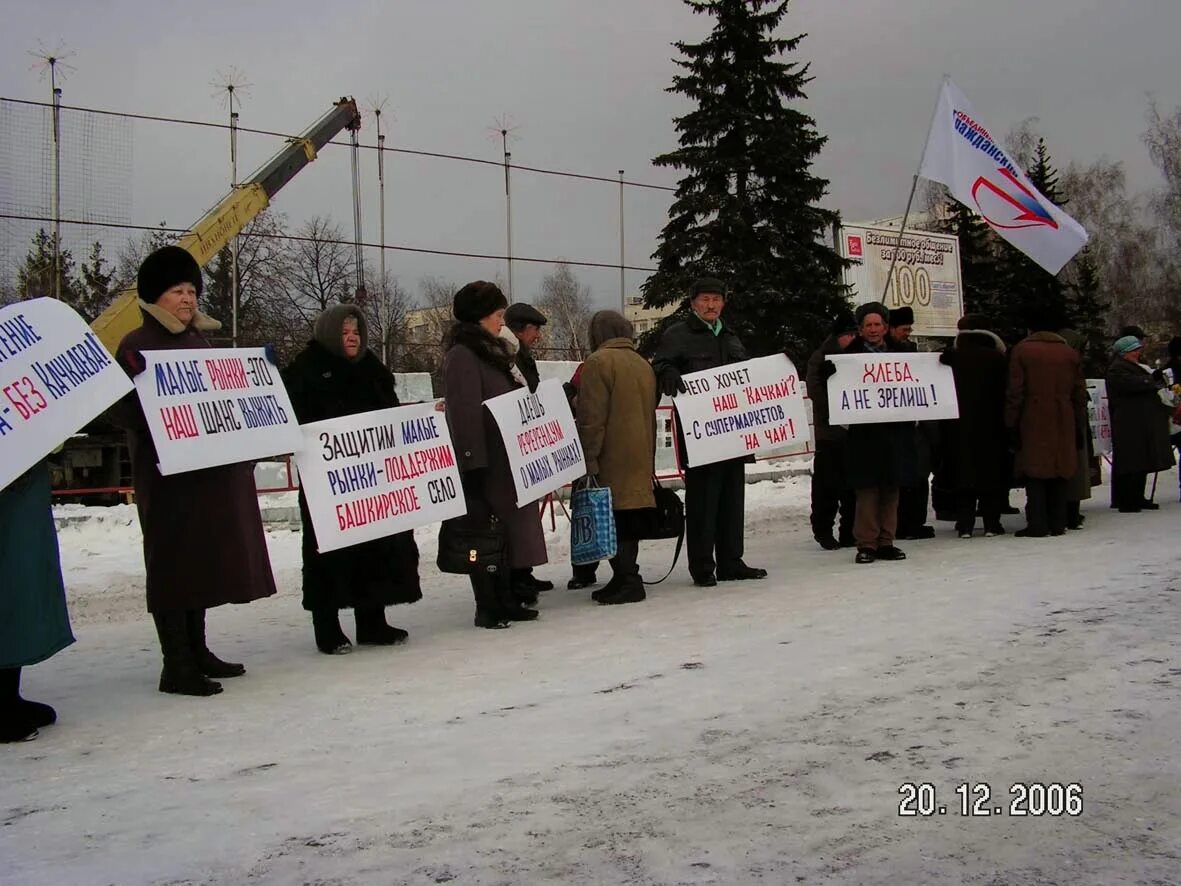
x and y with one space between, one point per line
55 376
871 388
926 275
541 439
215 406
375 474
740 409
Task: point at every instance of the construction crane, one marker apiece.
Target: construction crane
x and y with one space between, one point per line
234 211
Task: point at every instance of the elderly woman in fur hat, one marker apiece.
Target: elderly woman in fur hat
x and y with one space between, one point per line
617 426
478 367
204 544
337 375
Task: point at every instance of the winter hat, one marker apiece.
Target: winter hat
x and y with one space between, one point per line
711 285
605 325
1125 344
872 307
477 300
520 315
902 317
974 321
1136 331
844 323
327 331
165 268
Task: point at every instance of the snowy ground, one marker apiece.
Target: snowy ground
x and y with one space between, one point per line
752 733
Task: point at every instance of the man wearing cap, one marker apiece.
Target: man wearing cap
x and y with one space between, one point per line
1139 426
913 498
830 491
526 321
714 493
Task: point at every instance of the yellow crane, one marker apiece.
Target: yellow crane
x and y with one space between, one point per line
232 213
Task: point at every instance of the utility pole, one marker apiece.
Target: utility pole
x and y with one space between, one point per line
54 61
622 284
383 307
230 86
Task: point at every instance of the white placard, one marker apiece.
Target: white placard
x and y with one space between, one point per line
541 439
375 474
871 388
55 376
1099 415
215 406
741 409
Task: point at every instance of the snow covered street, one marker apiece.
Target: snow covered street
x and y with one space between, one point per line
754 732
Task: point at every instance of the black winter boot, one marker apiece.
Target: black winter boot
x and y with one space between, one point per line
629 590
373 630
180 675
330 639
209 664
487 605
511 606
19 719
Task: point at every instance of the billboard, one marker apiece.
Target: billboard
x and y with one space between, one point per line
926 275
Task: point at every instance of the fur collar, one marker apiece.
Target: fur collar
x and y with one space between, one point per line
991 336
488 348
201 322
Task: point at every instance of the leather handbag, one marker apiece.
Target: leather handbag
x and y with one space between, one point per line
469 545
668 521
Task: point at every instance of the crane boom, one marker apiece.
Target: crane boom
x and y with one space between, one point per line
233 212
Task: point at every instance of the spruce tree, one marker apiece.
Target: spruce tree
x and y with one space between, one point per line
1086 312
979 271
34 277
746 208
98 286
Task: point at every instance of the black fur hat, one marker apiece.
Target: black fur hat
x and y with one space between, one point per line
902 317
477 300
872 307
843 323
163 269
711 285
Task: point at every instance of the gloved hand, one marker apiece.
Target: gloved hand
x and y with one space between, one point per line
671 383
828 369
947 357
268 351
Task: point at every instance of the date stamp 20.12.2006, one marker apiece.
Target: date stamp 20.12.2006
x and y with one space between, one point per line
978 799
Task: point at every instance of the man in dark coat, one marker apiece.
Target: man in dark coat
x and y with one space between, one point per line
525 322
714 493
1045 401
830 492
204 544
1139 427
913 498
975 444
878 457
334 376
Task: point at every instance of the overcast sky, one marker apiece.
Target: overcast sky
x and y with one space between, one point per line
584 81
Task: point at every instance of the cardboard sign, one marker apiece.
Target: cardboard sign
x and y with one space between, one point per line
1099 415
541 439
215 406
871 388
742 409
55 376
375 474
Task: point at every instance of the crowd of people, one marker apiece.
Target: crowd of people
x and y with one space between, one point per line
1023 421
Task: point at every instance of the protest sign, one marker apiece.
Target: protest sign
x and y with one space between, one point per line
215 406
871 388
742 409
55 376
541 439
378 473
1099 415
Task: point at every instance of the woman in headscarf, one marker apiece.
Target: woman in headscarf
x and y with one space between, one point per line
477 367
337 375
1139 426
617 426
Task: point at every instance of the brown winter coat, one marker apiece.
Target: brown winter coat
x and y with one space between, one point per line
470 379
1139 420
617 422
1046 401
203 538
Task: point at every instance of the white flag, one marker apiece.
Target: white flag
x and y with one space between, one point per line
962 154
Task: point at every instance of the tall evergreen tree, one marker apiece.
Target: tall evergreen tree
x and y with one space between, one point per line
746 206
1086 311
34 277
978 258
98 285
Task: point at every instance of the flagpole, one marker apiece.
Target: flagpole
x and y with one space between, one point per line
914 184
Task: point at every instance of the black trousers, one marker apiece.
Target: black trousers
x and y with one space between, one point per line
912 508
830 493
1127 490
1045 506
988 501
715 499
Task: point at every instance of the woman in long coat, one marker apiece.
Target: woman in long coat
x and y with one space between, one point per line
34 622
477 367
617 426
1139 427
337 375
204 544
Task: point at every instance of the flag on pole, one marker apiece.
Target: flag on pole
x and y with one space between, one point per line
962 154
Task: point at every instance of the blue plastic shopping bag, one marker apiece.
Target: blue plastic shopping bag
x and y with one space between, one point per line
592 526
